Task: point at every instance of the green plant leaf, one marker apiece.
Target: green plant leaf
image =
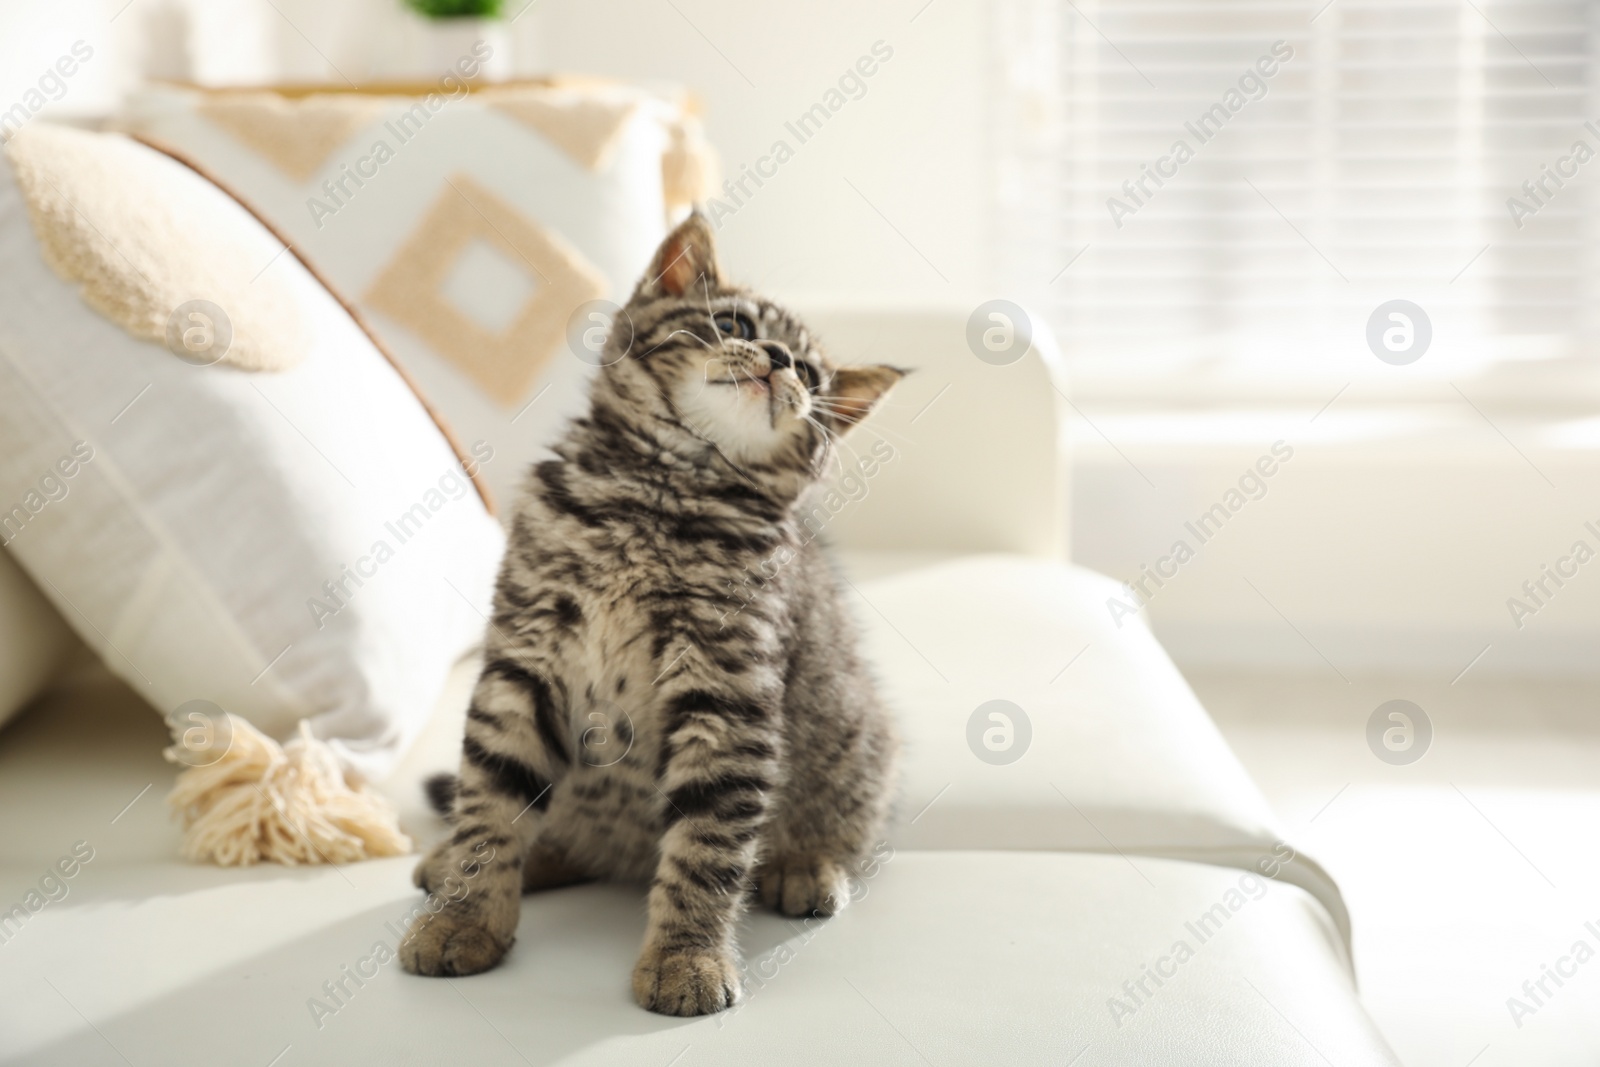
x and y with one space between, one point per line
457 9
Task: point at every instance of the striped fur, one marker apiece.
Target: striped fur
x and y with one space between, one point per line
758 758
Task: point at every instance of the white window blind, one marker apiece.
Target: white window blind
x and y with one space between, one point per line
1374 163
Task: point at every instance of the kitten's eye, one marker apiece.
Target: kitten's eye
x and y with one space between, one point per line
807 373
735 324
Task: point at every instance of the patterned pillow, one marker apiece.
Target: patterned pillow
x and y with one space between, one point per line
473 223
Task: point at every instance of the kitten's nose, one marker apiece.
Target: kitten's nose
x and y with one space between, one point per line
778 353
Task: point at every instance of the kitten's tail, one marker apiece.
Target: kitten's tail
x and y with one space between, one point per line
441 790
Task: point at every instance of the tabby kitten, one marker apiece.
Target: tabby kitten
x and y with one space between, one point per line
757 752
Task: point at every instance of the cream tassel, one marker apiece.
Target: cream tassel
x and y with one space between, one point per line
262 802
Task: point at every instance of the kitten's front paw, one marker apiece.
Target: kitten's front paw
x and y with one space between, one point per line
804 885
430 871
692 982
444 946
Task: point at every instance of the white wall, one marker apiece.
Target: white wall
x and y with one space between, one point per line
1391 542
33 36
913 145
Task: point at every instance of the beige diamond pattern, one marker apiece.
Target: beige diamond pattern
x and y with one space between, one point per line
410 288
296 136
586 126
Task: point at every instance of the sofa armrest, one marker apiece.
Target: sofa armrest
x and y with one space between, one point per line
978 463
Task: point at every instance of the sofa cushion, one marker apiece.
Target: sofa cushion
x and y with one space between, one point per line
1121 758
944 957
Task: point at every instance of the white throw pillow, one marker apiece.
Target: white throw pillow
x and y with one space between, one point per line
300 544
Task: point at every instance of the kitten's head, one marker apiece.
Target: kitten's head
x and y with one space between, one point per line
730 369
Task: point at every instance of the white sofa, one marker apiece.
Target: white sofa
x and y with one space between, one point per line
1026 913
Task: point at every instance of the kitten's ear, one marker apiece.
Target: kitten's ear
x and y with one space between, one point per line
855 391
688 254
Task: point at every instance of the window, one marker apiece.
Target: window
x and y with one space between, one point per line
1209 196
